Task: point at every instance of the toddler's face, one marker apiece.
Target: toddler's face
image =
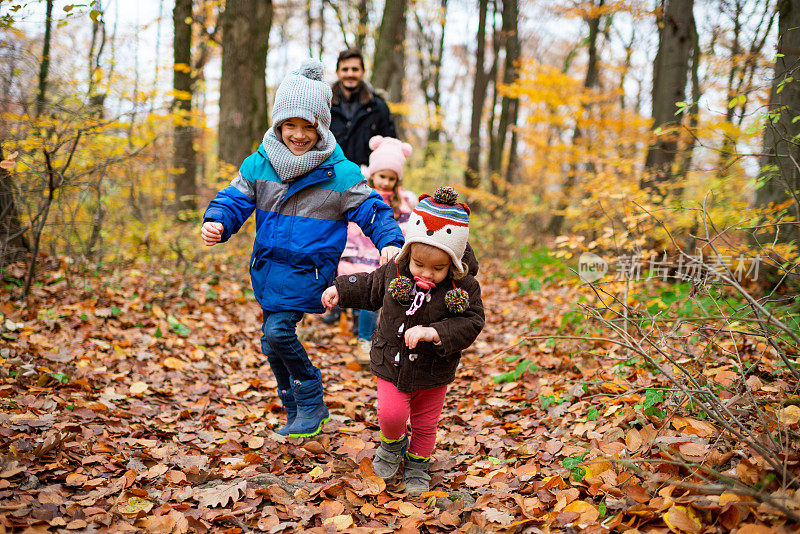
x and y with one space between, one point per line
299 135
429 263
384 180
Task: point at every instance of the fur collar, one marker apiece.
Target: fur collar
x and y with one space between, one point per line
365 94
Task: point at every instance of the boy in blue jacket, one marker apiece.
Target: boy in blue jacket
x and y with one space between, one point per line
304 192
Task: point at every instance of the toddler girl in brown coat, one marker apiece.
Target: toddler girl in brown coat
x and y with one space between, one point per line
431 310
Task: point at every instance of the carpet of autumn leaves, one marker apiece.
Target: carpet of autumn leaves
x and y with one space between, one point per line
136 400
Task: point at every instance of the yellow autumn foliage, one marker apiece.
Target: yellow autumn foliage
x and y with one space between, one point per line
581 156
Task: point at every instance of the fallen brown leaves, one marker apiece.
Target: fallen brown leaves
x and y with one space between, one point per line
138 401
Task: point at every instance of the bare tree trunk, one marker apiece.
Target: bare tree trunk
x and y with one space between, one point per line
472 174
508 107
591 81
55 179
626 66
98 43
184 157
45 211
243 91
388 43
669 85
740 75
491 127
688 151
13 245
751 64
93 246
363 20
515 49
736 50
399 76
321 41
431 45
310 28
780 176
44 67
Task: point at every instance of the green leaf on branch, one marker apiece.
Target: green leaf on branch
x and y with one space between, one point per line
522 367
178 327
572 463
546 400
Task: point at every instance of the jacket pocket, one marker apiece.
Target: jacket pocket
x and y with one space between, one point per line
382 356
259 274
325 268
443 368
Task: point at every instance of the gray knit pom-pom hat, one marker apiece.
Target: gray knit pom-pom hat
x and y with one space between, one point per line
304 94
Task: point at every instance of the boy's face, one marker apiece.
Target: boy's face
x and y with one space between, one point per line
299 135
384 180
429 263
350 73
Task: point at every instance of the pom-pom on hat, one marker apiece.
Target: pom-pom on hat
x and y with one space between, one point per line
304 94
388 153
442 222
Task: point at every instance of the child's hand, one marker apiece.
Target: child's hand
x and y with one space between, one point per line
330 298
415 334
388 253
211 232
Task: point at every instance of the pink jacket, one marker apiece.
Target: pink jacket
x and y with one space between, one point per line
360 255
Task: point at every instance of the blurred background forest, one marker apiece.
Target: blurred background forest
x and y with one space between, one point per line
567 122
650 146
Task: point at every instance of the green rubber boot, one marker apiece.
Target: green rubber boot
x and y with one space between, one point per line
311 410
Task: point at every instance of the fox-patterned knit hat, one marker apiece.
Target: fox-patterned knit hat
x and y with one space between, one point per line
388 153
442 222
304 94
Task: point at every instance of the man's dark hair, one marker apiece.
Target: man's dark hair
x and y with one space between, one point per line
350 53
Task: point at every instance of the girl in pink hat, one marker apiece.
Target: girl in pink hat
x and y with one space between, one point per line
384 175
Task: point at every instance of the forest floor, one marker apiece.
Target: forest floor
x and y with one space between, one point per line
137 400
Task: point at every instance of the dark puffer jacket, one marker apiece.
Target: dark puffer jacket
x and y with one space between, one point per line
434 365
372 117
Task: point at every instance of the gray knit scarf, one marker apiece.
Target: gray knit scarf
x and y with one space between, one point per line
287 165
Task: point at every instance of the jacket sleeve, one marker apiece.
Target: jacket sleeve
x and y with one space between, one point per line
232 206
363 291
367 209
458 332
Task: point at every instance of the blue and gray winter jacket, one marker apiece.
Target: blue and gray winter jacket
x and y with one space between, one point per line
301 226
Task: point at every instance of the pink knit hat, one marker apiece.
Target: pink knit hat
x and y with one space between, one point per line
388 153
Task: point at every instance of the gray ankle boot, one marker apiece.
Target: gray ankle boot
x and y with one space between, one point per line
415 475
387 458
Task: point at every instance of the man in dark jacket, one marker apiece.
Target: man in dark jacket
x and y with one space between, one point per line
357 113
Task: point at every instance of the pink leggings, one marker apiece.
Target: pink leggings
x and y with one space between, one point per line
423 407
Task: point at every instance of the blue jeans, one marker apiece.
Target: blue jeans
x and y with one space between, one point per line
367 321
286 356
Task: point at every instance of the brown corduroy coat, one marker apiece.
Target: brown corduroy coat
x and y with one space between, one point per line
429 365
